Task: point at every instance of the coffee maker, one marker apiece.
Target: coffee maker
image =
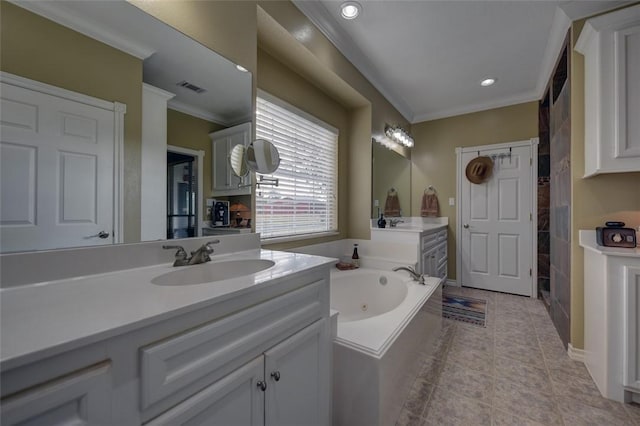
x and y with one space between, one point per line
219 213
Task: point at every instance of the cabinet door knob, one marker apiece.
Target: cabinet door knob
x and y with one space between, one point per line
465 226
275 375
262 385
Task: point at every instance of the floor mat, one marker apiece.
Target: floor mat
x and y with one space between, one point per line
465 309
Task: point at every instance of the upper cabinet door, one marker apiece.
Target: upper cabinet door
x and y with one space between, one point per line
225 182
297 372
611 46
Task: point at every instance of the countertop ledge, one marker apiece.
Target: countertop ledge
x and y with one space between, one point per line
45 319
587 239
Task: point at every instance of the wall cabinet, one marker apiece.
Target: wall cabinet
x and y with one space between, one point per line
224 181
254 360
611 47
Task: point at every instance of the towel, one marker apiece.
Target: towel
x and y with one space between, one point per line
430 206
392 204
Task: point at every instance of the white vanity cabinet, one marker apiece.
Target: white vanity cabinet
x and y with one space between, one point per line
261 358
611 47
284 386
611 319
430 242
434 253
224 181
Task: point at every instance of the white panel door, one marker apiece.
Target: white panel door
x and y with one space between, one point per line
298 379
57 172
496 239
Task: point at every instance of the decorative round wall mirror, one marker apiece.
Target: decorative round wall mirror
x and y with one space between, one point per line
237 160
262 157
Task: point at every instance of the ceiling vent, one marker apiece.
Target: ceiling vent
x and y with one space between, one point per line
190 86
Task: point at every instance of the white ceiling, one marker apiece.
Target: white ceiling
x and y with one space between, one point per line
428 57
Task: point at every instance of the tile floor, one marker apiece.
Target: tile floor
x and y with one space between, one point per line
513 372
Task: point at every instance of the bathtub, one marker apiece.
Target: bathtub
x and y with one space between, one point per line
386 325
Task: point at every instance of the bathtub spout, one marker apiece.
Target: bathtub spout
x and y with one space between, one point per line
419 278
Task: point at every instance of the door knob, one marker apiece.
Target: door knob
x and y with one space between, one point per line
465 226
275 375
262 385
101 234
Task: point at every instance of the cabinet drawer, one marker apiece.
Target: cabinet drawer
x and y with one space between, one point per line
82 397
211 350
441 236
429 240
441 272
441 253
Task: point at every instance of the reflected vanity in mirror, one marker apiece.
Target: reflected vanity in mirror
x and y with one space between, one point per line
390 182
123 90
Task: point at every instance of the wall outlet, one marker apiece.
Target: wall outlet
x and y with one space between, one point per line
452 201
376 203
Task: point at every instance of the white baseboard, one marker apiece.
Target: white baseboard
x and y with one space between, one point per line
452 283
575 354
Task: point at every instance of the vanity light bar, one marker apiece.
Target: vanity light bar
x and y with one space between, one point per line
399 135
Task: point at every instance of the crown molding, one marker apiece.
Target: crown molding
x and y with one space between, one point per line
322 19
196 112
557 34
65 16
483 106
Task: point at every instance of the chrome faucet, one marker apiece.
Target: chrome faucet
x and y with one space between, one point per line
419 278
394 222
201 255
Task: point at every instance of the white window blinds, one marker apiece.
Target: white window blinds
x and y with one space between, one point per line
305 200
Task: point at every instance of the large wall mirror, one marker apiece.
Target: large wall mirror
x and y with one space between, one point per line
390 182
105 111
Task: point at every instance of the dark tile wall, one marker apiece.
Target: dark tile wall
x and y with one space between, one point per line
560 201
544 196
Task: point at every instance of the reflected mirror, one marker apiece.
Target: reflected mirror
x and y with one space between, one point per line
238 161
262 157
390 182
138 72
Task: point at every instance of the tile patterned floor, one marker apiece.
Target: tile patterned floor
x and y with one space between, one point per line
513 372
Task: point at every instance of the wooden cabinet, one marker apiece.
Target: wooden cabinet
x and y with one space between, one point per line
611 47
224 181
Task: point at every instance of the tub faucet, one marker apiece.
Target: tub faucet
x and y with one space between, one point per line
419 278
394 222
201 255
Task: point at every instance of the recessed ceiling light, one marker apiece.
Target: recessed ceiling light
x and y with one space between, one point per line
487 82
241 68
350 10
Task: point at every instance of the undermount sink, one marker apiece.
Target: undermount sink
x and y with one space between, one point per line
211 272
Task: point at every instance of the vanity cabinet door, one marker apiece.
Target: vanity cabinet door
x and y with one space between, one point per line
82 398
297 375
225 182
235 400
429 263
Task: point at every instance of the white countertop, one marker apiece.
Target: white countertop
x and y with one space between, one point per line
43 319
588 241
410 228
412 224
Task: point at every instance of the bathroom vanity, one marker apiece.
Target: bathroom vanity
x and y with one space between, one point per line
164 345
611 319
429 237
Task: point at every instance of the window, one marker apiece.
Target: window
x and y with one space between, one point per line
305 200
